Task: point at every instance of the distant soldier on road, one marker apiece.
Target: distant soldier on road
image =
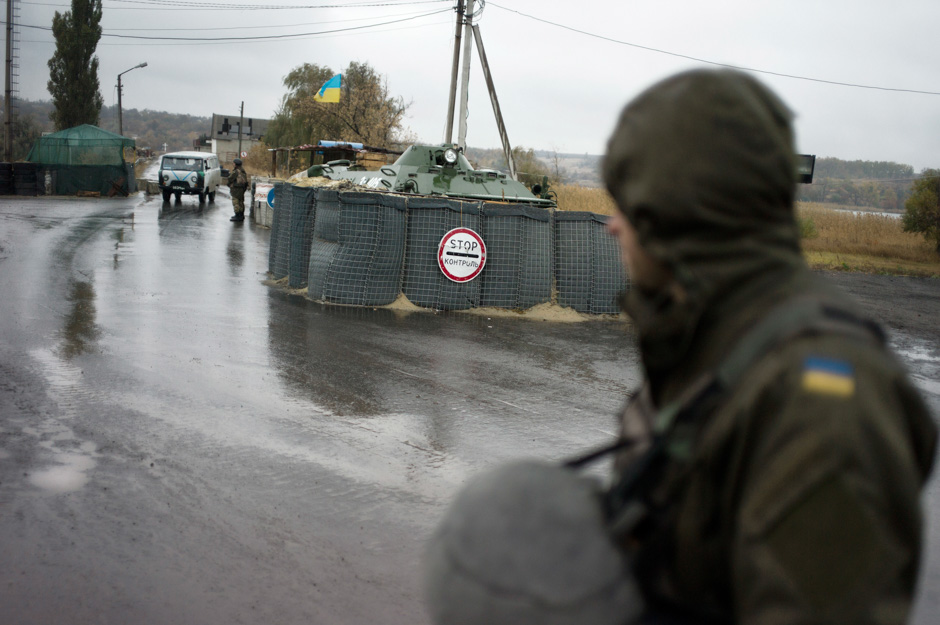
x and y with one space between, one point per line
238 183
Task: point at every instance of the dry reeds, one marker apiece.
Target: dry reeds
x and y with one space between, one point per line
591 199
845 232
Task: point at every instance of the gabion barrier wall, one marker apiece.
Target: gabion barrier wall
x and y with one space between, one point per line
302 208
588 271
518 271
279 251
357 248
365 248
429 219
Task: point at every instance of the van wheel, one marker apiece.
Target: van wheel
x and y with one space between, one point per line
212 196
202 198
179 197
166 195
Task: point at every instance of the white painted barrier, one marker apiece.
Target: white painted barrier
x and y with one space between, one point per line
262 213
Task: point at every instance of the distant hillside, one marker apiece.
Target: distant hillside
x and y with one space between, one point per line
580 169
881 184
884 185
151 128
154 128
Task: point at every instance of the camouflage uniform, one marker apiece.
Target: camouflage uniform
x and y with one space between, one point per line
238 182
794 496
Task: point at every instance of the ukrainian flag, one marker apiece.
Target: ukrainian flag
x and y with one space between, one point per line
828 376
329 92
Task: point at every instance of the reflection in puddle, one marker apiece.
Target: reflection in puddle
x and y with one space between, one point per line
66 458
236 258
931 386
67 476
917 354
80 330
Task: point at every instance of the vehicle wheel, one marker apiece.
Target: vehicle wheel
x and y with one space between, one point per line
212 196
202 198
166 195
179 197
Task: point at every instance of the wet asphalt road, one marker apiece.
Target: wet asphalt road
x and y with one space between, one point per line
181 443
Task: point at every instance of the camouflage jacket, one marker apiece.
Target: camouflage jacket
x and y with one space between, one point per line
239 178
799 500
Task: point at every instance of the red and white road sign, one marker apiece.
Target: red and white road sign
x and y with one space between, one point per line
244 154
461 254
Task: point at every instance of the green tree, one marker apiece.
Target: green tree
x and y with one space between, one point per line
26 132
529 168
73 68
922 208
365 113
289 126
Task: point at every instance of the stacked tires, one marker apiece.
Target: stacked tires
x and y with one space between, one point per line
6 178
26 178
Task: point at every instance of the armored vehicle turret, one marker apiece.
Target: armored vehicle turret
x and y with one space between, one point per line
436 170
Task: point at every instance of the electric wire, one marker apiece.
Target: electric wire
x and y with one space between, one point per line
330 35
295 25
243 39
205 6
709 62
253 7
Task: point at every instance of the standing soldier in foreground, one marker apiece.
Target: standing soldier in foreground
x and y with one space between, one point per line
238 182
786 446
770 467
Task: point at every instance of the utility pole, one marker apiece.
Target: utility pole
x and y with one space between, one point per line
465 80
8 99
452 95
241 120
120 110
503 136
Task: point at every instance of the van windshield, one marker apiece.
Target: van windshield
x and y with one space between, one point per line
184 164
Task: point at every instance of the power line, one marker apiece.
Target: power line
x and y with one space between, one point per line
716 63
257 37
208 6
51 42
241 7
214 28
239 42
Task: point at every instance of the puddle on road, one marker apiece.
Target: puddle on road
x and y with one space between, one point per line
66 477
917 354
68 458
931 386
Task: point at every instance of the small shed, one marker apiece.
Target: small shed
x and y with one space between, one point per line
86 158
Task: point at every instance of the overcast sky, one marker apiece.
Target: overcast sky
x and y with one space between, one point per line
559 89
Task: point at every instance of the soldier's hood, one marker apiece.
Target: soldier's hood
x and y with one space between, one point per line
702 164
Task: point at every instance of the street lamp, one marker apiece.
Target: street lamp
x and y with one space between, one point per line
120 112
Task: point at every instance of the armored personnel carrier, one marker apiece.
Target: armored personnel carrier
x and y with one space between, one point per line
437 170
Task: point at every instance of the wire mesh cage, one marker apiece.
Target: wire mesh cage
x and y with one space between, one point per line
366 248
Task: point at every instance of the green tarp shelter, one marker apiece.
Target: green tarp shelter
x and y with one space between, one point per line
85 158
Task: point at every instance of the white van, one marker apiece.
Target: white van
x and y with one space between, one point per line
192 173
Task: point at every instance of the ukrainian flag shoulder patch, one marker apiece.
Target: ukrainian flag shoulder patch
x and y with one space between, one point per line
828 376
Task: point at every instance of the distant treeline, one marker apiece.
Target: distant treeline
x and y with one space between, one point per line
152 128
880 184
